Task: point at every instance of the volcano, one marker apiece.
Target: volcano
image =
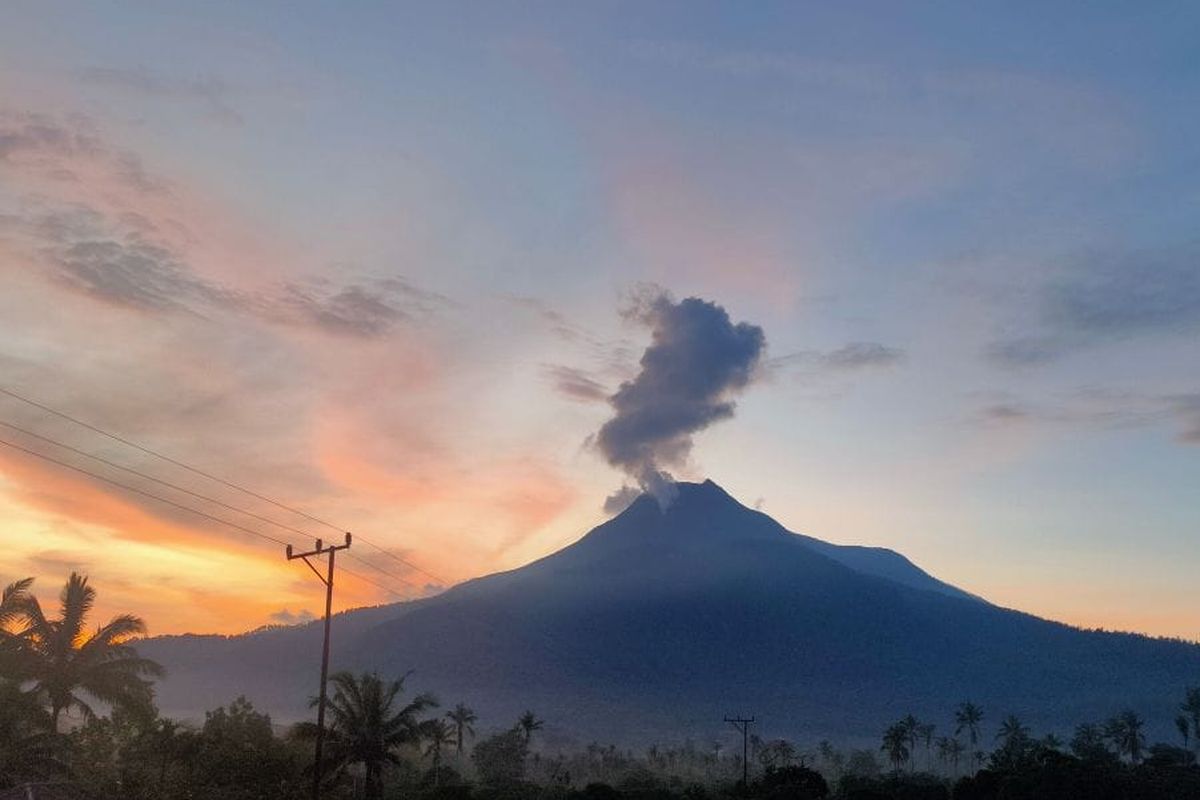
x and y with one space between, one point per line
661 621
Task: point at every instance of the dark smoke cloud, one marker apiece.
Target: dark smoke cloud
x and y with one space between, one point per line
697 361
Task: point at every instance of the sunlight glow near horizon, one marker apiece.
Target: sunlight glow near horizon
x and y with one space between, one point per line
380 281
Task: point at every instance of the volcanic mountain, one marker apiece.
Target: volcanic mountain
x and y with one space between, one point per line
661 621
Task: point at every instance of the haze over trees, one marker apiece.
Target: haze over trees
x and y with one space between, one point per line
77 707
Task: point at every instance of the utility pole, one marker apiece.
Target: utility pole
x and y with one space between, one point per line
743 725
320 550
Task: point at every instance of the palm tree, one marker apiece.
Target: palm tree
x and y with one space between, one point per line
1181 724
924 732
528 723
437 732
1012 731
950 750
1191 707
12 640
967 718
913 728
68 664
1125 732
366 726
462 717
895 744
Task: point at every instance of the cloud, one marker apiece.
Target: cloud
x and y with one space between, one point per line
285 617
1186 408
135 274
1109 297
31 135
698 360
576 384
210 92
851 357
1101 409
119 263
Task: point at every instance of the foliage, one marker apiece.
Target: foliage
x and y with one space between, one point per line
69 665
500 759
367 726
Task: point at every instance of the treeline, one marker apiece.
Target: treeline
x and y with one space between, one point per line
77 711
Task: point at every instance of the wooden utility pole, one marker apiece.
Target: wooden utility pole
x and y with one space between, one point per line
320 550
743 725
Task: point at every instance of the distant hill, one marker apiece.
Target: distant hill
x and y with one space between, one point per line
658 623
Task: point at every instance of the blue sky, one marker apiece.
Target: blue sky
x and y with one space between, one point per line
351 254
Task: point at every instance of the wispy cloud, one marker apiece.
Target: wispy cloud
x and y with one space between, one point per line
1106 297
852 357
576 384
213 94
1097 409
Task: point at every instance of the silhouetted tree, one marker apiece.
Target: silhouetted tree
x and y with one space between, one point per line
367 725
924 731
1090 743
1191 707
896 744
527 724
462 718
437 733
12 640
1125 732
66 662
27 750
950 751
967 718
1016 746
1184 727
500 759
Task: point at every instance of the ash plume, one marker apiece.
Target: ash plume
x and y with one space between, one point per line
697 361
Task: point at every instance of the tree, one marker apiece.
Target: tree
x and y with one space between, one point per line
27 749
1182 725
436 733
1012 731
1016 747
1090 743
1125 732
527 724
1191 707
12 640
913 729
895 744
366 726
924 731
68 664
967 718
462 717
236 756
950 750
500 759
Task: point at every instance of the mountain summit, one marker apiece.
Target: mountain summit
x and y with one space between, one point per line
661 620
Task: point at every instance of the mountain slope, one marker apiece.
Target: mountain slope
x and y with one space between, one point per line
658 622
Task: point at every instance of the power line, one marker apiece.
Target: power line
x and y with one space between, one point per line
364 578
159 481
187 508
211 477
142 492
400 578
164 457
403 561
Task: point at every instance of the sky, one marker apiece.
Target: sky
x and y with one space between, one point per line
376 262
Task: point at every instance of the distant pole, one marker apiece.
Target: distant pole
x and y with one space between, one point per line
743 725
326 579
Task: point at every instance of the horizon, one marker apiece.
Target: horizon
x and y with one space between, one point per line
428 276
